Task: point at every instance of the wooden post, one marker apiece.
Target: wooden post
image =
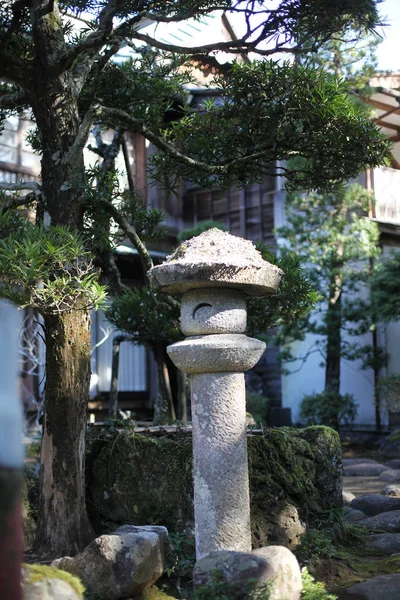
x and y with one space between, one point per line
11 458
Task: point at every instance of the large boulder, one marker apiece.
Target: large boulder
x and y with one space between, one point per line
139 478
274 565
121 564
377 588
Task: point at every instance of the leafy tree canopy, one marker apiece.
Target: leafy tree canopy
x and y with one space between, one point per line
270 111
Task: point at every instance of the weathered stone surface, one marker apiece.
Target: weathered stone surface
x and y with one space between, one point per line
394 463
221 507
50 589
374 504
347 497
359 461
391 475
381 587
120 564
391 489
387 521
353 516
42 582
216 259
274 563
363 470
216 353
213 311
388 543
140 479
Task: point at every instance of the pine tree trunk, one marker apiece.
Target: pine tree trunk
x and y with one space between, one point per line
332 367
333 321
63 526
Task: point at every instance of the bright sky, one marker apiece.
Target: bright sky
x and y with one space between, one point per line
389 50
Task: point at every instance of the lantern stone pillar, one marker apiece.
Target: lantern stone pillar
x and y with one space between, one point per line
215 272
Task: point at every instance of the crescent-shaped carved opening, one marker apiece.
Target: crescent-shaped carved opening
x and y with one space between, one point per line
202 305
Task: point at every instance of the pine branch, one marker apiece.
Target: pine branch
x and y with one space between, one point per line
130 232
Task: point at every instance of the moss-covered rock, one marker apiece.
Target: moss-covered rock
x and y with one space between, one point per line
140 479
36 574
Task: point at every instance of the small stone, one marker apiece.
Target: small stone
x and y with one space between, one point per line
363 470
381 587
374 504
391 490
388 543
391 475
273 563
387 521
50 589
347 497
42 582
359 461
353 516
394 463
120 564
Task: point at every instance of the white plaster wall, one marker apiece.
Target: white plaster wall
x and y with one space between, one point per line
311 376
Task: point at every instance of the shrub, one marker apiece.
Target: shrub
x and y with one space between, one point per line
389 388
328 408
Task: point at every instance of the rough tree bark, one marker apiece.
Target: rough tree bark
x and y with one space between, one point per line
63 526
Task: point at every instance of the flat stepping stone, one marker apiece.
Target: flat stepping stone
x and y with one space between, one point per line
374 504
391 475
353 516
359 461
387 521
382 587
363 470
388 543
393 463
392 489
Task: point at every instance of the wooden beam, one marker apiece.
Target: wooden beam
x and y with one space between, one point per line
387 125
383 105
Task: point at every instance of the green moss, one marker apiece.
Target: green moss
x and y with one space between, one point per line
140 479
153 593
38 572
395 436
377 566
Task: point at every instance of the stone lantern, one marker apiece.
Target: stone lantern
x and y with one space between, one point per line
215 272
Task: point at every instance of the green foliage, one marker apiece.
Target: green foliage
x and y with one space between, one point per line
385 287
220 589
389 388
274 111
294 299
314 544
314 590
48 269
334 240
181 557
257 406
328 408
146 315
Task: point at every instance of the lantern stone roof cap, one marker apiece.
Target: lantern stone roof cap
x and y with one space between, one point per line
213 259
